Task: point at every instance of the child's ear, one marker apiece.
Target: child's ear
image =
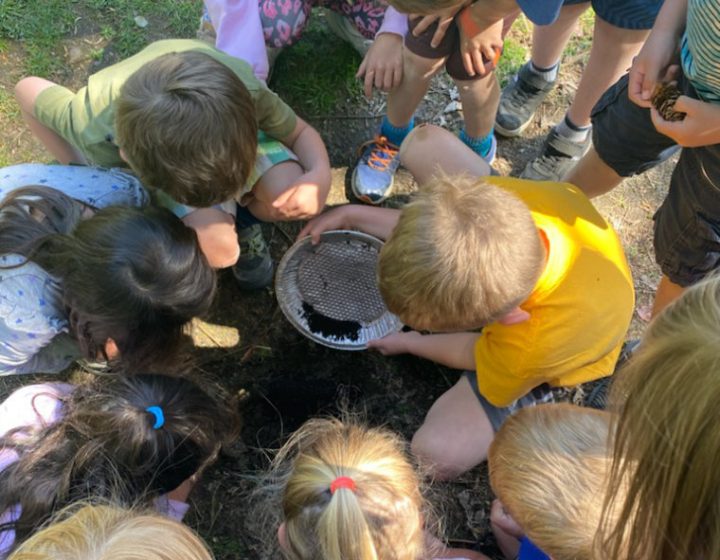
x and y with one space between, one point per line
514 317
282 537
122 155
111 349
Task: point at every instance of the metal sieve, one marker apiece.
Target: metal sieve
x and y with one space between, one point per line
329 291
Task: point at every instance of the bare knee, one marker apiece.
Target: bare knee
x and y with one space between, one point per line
415 66
435 455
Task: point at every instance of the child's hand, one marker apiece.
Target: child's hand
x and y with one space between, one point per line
396 343
382 65
700 127
488 43
653 64
337 218
305 198
443 18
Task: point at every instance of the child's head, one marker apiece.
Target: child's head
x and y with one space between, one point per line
548 465
667 441
135 276
463 254
349 492
127 439
97 532
186 124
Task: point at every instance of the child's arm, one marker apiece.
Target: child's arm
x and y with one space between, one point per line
383 63
700 127
454 350
658 53
307 196
379 222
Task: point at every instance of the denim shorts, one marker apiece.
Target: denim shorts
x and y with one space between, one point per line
626 14
497 415
687 224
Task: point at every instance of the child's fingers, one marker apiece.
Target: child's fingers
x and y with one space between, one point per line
468 64
361 68
368 84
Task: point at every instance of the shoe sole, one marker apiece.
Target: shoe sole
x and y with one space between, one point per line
364 197
514 133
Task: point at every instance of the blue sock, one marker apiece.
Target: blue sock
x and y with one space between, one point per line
395 134
481 146
244 218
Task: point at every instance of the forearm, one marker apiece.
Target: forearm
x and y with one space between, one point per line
454 350
487 12
310 150
671 19
379 222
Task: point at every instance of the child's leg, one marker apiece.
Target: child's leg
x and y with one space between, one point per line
667 292
27 91
216 234
272 187
480 100
430 148
592 175
456 433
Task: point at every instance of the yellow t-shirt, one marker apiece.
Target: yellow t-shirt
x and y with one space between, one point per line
579 310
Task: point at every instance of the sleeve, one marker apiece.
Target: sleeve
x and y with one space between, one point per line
239 32
275 117
33 406
394 22
502 359
171 508
29 320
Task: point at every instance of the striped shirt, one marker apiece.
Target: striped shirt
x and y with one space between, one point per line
700 49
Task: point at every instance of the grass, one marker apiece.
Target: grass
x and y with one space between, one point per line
318 73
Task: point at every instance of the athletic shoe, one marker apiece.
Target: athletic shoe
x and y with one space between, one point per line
519 101
558 156
254 268
373 176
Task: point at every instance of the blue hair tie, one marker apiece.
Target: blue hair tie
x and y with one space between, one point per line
157 412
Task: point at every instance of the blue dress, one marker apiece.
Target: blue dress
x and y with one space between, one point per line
33 325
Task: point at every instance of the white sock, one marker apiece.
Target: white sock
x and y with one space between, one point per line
547 74
568 129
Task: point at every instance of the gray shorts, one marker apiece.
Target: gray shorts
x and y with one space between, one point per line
687 224
541 394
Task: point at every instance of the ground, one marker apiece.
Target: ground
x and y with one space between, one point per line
246 345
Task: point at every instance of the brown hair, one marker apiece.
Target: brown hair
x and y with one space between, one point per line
381 519
667 441
548 465
463 254
98 532
186 124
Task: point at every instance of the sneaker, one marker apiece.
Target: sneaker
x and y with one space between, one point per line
519 101
372 178
254 268
341 27
558 156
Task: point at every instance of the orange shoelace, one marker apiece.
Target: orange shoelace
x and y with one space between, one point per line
382 154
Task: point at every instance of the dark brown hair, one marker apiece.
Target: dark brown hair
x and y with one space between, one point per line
104 447
187 125
135 275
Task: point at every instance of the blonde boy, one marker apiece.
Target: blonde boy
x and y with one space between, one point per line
532 264
549 468
223 150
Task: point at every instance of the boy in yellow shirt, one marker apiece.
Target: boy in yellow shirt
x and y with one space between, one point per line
532 263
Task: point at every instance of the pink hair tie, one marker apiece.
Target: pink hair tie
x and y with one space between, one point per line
342 482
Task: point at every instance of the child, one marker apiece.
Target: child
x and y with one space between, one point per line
629 137
349 491
621 27
667 443
531 263
195 123
82 277
125 439
548 467
97 532
256 31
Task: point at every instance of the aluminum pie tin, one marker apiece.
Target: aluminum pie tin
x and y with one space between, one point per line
329 291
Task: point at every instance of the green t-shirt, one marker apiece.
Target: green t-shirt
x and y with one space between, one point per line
92 109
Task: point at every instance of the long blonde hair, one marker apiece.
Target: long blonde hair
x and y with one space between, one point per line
98 532
381 519
548 465
667 437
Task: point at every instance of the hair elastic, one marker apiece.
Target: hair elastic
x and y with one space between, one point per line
342 482
157 412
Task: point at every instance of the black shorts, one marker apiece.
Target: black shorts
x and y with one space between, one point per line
687 224
498 414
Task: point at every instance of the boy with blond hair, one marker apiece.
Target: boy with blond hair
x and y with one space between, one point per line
223 150
532 264
549 468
